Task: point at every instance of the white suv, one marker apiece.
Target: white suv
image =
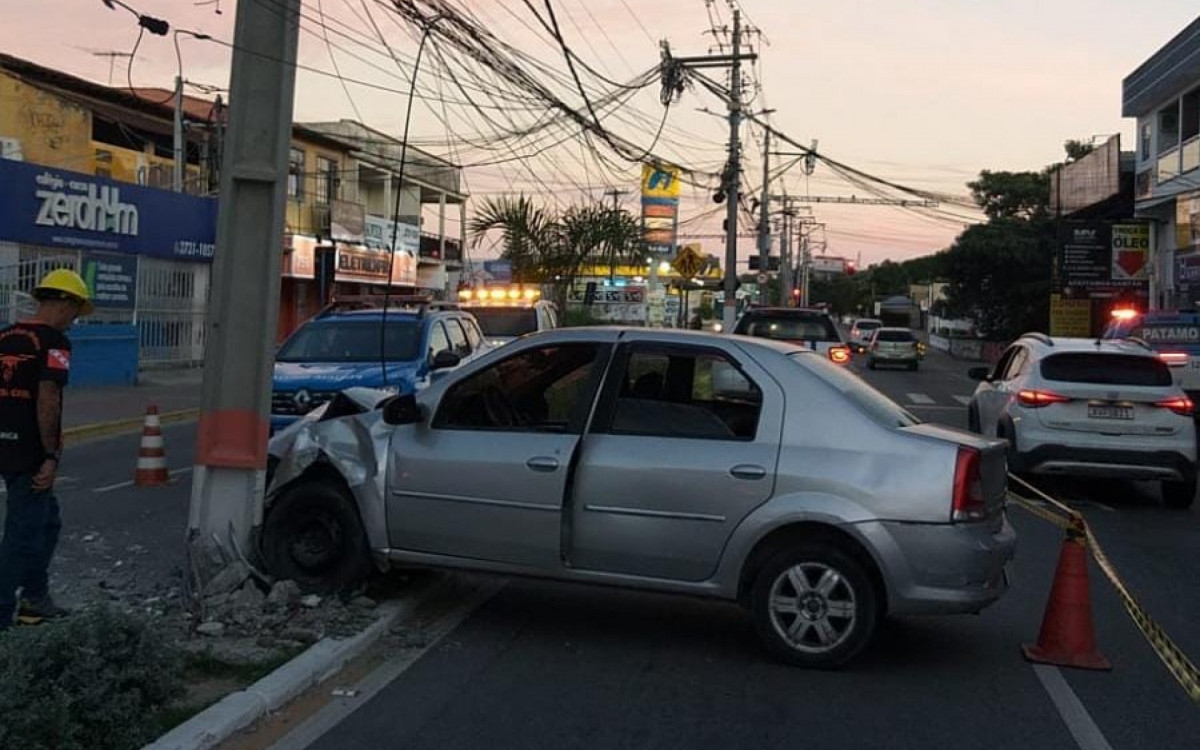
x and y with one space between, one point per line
1083 407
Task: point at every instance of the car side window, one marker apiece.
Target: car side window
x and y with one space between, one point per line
543 390
1020 357
684 392
1002 365
438 342
458 338
473 334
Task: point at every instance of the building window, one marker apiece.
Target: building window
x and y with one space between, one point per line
295 183
1147 134
1168 127
104 163
327 180
1189 126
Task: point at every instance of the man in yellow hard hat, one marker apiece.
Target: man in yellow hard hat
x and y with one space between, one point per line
35 360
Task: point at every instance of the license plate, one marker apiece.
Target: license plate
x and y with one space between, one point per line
1110 412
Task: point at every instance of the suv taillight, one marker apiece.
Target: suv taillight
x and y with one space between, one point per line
1038 399
1182 406
968 503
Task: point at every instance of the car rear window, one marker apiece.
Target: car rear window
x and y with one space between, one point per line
506 321
894 336
815 327
876 405
1105 369
868 325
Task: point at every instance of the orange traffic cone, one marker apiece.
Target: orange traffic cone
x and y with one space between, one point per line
152 455
1068 638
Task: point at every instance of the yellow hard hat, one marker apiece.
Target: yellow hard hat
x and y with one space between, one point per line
63 282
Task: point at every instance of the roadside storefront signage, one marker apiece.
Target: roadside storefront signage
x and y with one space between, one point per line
359 264
57 208
1098 256
1070 317
378 235
111 280
629 295
1130 252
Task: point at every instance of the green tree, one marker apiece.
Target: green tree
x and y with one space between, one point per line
525 231
1012 195
1076 150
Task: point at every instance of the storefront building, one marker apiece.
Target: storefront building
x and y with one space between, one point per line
1164 95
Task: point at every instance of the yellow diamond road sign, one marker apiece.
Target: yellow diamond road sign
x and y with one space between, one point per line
687 262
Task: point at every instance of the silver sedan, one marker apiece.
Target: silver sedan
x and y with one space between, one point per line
692 463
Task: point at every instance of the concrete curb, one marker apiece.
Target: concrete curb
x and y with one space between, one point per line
72 435
318 663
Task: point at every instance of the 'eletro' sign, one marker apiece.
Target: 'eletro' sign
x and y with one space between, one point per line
57 208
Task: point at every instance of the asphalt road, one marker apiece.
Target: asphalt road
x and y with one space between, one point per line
551 665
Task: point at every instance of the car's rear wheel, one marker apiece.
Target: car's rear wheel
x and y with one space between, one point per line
313 535
1179 494
814 605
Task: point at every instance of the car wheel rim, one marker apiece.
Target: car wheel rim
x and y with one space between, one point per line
316 544
813 607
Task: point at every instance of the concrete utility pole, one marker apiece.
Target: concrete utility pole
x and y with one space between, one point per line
764 206
785 257
231 447
180 146
615 194
733 178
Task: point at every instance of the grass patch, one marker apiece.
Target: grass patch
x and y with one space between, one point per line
209 678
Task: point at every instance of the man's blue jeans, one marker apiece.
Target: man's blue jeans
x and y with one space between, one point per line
31 526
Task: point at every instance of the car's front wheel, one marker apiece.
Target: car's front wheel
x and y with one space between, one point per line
814 605
312 535
1179 494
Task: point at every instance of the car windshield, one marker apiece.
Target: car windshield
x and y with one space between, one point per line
867 325
506 321
876 405
1106 369
351 341
898 336
815 327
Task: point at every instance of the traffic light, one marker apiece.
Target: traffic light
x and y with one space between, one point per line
850 269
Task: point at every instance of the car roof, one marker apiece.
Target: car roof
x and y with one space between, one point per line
867 320
1054 345
893 328
797 311
376 314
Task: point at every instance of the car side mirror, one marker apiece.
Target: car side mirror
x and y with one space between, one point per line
444 360
979 373
402 409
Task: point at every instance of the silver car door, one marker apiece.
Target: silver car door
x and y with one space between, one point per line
994 400
684 445
485 477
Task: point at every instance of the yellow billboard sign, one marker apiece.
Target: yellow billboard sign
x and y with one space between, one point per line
660 181
1070 317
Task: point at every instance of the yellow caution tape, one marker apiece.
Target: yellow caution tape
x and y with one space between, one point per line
1177 662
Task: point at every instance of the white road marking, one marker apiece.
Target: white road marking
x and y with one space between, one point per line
1079 722
129 483
964 400
919 398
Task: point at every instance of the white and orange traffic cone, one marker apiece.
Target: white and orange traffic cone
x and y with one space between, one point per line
152 455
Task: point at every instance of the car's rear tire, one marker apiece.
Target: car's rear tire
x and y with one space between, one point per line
1179 495
313 535
814 605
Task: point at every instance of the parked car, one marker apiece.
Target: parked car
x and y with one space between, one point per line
861 331
340 348
671 461
806 327
1082 407
1174 336
504 314
894 346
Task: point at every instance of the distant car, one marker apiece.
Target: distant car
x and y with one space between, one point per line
1082 407
506 314
675 461
894 346
861 331
1174 336
340 349
807 327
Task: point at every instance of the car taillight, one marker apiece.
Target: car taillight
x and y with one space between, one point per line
1038 399
1174 359
839 354
968 503
1182 405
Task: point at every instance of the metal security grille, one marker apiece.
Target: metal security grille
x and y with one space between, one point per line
21 274
170 312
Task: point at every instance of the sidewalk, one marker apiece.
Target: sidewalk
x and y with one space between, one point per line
169 390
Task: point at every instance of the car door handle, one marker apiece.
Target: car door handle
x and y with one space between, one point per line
748 471
542 463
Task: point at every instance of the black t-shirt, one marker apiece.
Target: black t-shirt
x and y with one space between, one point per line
30 352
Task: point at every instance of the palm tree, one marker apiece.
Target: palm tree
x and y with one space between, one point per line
525 231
